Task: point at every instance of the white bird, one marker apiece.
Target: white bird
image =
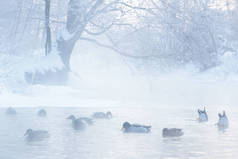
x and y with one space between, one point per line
42 113
36 135
77 124
173 132
102 115
11 111
202 115
135 128
223 121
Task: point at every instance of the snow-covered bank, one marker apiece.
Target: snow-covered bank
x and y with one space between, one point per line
101 77
13 68
173 89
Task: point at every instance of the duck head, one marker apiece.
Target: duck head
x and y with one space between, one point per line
42 112
109 114
165 131
28 131
219 115
72 117
199 111
126 125
202 111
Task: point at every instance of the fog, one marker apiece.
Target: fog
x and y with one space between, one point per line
118 79
101 77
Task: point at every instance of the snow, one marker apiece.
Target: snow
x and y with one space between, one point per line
14 67
51 62
188 61
228 65
101 77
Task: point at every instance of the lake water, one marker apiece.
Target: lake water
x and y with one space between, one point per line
104 140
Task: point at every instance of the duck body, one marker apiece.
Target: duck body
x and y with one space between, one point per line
87 120
223 121
11 111
135 128
77 123
202 115
36 135
42 113
102 115
173 132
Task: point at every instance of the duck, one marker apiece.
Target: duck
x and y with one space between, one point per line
135 128
87 120
172 132
42 113
223 121
77 123
102 115
202 115
109 114
11 111
36 135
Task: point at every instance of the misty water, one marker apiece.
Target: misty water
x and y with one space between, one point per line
105 140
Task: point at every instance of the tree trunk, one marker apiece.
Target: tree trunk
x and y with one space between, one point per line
65 46
47 28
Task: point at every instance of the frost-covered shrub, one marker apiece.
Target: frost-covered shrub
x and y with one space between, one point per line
180 32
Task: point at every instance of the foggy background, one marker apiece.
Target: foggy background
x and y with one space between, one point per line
151 62
125 52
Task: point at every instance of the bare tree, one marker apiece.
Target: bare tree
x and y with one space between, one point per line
47 27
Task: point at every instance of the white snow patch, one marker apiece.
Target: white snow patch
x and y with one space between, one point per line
228 66
13 67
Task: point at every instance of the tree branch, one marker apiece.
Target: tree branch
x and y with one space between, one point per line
111 47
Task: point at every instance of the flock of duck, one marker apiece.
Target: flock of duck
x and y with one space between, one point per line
81 123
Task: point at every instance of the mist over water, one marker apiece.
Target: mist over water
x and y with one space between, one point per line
150 64
99 82
100 77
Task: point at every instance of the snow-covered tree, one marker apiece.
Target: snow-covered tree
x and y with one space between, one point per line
170 33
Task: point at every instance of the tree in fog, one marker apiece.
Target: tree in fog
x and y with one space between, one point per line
22 24
88 19
179 32
165 33
92 17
